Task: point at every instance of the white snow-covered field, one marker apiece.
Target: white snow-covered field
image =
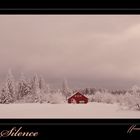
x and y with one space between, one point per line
91 110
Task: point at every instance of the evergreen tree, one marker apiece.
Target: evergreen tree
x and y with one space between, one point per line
87 91
42 85
48 90
65 89
23 87
35 84
35 89
8 93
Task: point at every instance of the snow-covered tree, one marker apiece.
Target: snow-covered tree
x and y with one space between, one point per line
35 90
87 91
56 98
35 84
104 97
65 89
45 88
48 89
135 90
23 87
8 93
42 84
98 97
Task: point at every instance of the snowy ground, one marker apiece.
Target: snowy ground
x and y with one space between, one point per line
91 110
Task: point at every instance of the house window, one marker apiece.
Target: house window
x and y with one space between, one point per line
81 101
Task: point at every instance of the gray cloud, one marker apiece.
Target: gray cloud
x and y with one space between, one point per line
90 50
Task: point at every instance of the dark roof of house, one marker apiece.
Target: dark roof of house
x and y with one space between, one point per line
75 94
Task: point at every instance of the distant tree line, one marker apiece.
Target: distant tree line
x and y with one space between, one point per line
30 90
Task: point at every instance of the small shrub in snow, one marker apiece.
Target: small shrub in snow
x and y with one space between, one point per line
90 98
108 98
98 97
57 98
104 97
131 101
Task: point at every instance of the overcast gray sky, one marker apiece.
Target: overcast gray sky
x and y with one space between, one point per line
88 50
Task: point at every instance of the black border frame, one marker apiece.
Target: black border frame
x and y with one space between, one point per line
99 127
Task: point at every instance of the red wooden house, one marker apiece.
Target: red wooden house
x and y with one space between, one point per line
78 98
